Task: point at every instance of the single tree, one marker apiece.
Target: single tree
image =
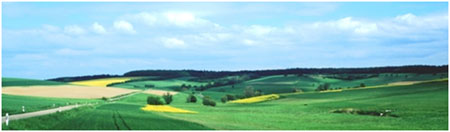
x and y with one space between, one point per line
362 85
224 99
168 98
208 101
191 99
154 100
249 92
230 97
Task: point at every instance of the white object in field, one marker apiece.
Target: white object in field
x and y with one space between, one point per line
381 114
59 109
7 119
23 108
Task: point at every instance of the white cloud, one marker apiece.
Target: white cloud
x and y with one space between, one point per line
184 19
149 19
259 30
74 29
181 19
249 42
98 28
367 28
408 18
51 28
347 25
174 43
124 26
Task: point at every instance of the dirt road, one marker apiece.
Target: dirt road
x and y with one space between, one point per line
39 113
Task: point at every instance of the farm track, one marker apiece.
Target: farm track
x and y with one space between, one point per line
123 121
54 110
39 113
116 117
115 121
124 96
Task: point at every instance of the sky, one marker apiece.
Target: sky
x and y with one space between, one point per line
43 40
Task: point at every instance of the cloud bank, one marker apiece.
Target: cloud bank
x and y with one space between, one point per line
183 39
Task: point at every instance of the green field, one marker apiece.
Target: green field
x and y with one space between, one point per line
422 106
114 116
285 84
169 84
415 105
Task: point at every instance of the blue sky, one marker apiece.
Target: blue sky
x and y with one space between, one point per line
45 40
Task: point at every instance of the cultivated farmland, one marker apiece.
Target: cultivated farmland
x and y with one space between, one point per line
103 82
66 91
338 101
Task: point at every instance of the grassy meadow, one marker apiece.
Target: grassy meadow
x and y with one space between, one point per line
420 106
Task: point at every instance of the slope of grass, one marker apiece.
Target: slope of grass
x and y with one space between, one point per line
170 84
6 81
12 104
286 84
419 107
114 116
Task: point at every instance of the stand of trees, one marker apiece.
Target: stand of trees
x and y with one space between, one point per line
350 77
323 87
81 78
204 74
217 74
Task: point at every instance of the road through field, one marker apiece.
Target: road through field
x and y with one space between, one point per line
40 113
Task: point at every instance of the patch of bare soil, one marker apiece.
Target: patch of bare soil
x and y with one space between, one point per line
159 92
66 91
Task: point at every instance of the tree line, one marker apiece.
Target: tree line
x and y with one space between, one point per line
206 74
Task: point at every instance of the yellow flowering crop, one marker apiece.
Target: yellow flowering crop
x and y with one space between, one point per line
165 108
256 99
102 82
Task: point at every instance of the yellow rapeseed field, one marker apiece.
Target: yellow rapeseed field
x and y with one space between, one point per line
256 99
102 82
165 108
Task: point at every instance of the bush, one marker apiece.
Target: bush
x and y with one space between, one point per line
249 92
258 93
154 100
230 97
362 85
323 87
149 85
191 99
208 101
240 96
320 88
167 97
296 90
326 86
224 99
